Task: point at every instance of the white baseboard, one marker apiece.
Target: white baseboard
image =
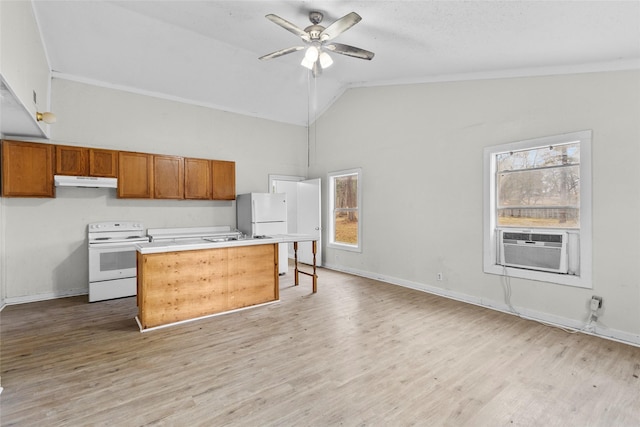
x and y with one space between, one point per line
43 297
563 322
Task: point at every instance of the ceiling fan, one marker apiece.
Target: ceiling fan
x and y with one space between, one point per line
318 40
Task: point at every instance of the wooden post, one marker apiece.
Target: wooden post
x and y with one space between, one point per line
295 262
315 276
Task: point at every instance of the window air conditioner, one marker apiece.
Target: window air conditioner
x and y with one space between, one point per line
541 250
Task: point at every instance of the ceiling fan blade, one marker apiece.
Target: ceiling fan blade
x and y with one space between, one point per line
288 26
340 26
345 49
281 52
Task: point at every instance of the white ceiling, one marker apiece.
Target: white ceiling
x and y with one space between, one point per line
206 52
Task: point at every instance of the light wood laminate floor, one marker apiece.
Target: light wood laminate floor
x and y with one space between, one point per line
357 353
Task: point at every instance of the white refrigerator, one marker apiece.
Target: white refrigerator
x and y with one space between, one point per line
264 214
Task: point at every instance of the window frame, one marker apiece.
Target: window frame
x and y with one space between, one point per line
584 232
331 206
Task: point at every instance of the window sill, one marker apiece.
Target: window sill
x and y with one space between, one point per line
344 247
541 276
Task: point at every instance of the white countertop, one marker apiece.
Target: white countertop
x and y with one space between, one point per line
196 244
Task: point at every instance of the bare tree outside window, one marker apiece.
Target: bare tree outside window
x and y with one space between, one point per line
539 187
346 209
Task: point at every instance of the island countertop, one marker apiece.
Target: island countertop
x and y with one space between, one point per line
198 243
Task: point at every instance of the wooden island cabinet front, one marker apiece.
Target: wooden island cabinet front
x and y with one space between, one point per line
184 285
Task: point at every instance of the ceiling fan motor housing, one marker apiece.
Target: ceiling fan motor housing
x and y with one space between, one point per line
315 17
314 31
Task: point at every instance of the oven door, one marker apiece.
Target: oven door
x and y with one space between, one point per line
111 261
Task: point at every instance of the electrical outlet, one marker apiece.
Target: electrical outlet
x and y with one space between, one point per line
439 276
596 302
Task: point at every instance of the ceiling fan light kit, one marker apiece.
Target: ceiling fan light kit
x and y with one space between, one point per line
325 60
318 39
307 63
311 54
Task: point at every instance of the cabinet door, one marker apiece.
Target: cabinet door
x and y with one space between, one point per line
72 160
168 177
223 175
103 163
27 169
253 275
135 175
197 179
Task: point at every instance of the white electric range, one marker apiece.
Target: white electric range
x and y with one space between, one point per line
112 258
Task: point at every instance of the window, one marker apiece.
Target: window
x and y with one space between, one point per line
539 187
345 226
537 208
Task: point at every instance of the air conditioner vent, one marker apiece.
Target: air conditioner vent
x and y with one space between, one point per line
544 251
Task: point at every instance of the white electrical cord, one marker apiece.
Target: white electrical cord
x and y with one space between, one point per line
505 280
506 288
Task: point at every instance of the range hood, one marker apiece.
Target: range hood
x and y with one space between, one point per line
85 181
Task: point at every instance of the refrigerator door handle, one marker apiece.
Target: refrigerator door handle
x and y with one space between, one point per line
253 210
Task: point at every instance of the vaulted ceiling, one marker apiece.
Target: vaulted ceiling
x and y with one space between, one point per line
206 52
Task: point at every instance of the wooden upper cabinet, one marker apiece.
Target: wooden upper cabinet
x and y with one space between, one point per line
27 169
223 174
82 161
197 179
103 163
168 177
72 160
135 175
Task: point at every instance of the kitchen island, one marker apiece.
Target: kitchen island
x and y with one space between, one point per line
191 279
